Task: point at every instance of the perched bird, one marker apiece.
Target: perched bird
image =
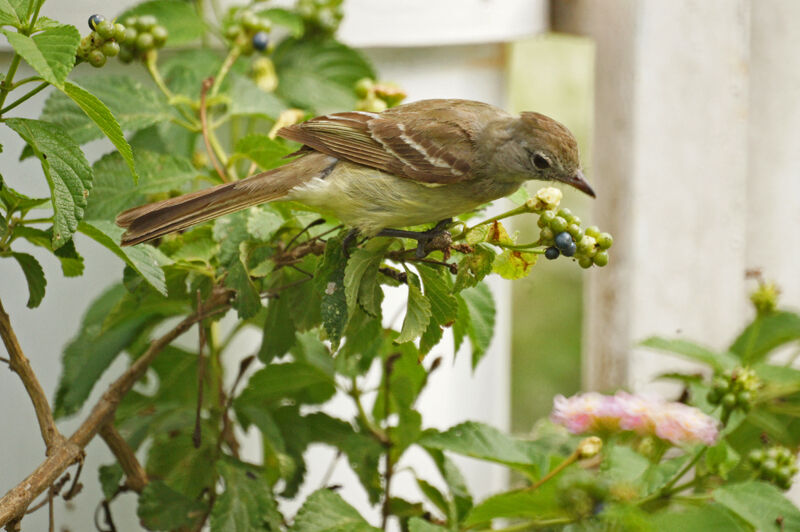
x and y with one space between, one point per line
414 164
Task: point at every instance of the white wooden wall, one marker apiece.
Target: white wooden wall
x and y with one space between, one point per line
697 167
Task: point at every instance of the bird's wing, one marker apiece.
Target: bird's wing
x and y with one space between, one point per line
431 141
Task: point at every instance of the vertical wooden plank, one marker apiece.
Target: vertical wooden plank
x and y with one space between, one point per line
670 167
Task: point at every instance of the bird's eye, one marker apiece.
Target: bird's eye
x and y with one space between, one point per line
540 161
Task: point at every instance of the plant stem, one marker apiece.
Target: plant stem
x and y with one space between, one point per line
33 92
230 59
208 135
23 81
7 84
571 459
667 489
151 63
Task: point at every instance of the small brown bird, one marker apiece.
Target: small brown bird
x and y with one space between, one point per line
413 164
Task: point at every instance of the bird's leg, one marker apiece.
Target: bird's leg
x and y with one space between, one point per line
437 235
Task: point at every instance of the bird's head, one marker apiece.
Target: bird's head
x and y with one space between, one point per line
534 146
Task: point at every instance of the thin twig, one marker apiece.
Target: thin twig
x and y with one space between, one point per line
136 477
197 435
22 367
66 453
204 128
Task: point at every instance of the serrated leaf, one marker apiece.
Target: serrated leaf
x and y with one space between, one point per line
8 15
329 283
113 191
66 169
438 290
361 286
50 53
721 459
476 315
513 264
540 505
765 334
417 524
247 99
760 504
698 353
262 222
185 468
418 315
474 267
102 117
264 151
288 19
146 260
246 505
163 508
14 201
703 518
110 479
306 383
179 18
134 106
71 261
326 511
279 330
319 74
34 275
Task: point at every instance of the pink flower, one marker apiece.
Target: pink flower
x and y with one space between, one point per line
674 422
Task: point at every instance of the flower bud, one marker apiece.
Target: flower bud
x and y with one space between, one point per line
589 447
546 199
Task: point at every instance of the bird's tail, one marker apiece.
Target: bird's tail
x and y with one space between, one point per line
151 221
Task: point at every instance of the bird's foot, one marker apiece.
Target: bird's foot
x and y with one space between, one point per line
427 241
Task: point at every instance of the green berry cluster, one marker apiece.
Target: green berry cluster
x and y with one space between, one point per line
102 42
734 389
142 34
777 465
765 297
377 97
322 16
249 32
561 231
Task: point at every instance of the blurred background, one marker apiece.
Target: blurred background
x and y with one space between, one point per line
687 114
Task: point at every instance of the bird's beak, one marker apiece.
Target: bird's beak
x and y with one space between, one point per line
578 181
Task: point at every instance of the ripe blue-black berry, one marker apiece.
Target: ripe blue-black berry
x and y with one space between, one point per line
94 20
570 250
552 253
260 41
563 240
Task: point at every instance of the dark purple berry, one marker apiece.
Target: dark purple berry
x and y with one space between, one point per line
260 41
552 253
94 20
570 251
563 240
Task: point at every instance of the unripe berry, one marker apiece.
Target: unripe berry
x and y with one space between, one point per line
552 253
729 401
119 32
94 20
714 396
146 22
110 49
260 41
563 240
587 246
783 474
757 457
96 58
565 213
604 240
593 231
559 224
546 234
131 22
574 220
105 29
575 230
144 42
545 218
130 35
249 20
769 468
601 258
233 31
126 54
744 400
585 262
160 35
363 87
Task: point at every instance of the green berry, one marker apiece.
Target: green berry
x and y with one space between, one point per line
601 258
565 213
119 32
545 218
105 29
126 54
559 224
144 42
604 240
95 20
587 245
147 22
585 262
744 399
593 231
131 22
249 20
363 87
575 230
233 31
160 35
721 383
714 396
131 34
546 235
757 457
769 468
729 401
96 58
575 220
110 49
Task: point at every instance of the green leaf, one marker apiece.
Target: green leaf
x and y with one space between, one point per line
540 505
246 99
418 315
476 314
134 105
474 267
262 222
34 275
319 74
361 286
438 290
179 18
246 505
487 443
705 518
417 524
50 53
185 468
513 264
303 382
326 511
692 351
110 479
462 498
760 504
146 260
264 151
433 495
721 459
279 330
8 15
113 192
16 202
71 261
163 508
102 117
248 299
66 169
329 283
765 334
288 19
